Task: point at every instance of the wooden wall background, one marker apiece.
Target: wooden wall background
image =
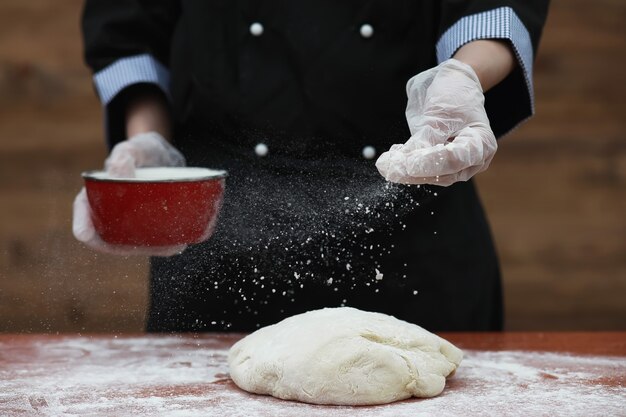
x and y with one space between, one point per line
555 192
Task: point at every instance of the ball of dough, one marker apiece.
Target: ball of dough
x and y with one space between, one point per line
343 356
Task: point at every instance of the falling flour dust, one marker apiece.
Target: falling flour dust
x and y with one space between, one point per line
291 227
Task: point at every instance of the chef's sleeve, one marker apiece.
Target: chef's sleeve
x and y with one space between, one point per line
520 23
127 46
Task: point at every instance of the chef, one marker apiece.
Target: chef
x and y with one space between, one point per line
340 191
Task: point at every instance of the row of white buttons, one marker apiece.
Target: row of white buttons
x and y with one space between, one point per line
261 149
366 30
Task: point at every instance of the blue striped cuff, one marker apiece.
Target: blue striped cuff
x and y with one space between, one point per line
128 71
500 23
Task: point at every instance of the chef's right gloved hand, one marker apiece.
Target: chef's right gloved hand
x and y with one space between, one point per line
142 150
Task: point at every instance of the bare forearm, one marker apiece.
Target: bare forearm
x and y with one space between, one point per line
148 113
492 60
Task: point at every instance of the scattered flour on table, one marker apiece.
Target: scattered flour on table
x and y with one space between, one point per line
184 376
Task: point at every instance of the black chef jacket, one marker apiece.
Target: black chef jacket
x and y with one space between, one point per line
310 223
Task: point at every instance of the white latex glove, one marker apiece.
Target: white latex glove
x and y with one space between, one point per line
143 150
451 139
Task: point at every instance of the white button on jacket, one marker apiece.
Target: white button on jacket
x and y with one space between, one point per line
256 29
367 30
369 152
261 149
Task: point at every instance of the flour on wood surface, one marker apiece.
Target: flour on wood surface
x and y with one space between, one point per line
183 376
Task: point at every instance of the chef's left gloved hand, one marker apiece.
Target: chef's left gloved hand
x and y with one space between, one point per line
451 139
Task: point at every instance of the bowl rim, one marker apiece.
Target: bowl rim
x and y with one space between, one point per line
219 174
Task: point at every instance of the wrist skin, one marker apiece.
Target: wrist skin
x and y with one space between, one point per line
148 112
491 60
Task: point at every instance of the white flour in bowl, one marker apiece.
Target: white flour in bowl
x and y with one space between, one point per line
162 174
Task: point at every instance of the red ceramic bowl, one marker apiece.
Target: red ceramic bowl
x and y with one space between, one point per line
160 207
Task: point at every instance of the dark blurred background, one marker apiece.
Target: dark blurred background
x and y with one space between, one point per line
555 192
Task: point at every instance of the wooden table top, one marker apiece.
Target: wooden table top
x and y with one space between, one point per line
187 375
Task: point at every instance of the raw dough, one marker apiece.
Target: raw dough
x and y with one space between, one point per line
343 356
